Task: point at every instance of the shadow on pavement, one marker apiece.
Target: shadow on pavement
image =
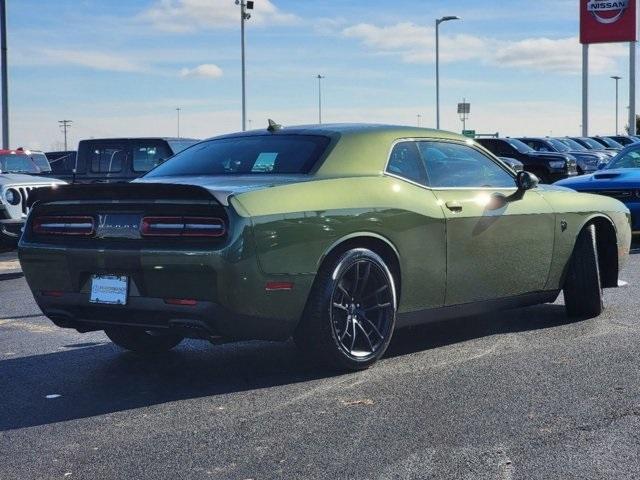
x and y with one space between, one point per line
96 379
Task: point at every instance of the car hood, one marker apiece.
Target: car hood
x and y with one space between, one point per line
621 178
222 187
22 179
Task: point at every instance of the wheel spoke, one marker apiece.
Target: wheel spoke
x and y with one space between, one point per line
373 326
366 335
353 338
356 282
343 290
340 306
364 280
378 306
373 294
346 329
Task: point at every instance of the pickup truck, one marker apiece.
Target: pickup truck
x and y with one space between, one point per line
114 160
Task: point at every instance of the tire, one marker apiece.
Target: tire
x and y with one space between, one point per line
142 341
8 244
583 286
338 327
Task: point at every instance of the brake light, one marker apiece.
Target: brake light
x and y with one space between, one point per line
182 227
52 293
64 225
181 301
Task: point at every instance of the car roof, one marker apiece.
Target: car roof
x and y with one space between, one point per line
356 148
333 129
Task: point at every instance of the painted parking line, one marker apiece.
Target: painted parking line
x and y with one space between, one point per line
26 326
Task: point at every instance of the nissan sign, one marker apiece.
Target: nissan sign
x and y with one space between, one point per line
605 21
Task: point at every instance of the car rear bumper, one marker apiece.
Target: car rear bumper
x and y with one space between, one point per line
229 290
202 320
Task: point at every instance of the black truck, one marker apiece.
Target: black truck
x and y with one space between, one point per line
116 159
548 167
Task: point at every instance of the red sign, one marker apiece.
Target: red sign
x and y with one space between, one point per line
605 21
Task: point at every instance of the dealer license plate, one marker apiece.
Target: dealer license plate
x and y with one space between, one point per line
109 289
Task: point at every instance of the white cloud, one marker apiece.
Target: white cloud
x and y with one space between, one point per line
92 59
416 44
206 70
181 16
563 55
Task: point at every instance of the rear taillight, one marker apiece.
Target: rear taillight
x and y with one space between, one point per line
63 225
182 227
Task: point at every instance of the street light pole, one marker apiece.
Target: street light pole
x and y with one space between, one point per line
178 112
617 79
319 77
244 16
438 22
5 85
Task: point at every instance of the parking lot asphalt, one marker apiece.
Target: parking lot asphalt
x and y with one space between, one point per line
519 394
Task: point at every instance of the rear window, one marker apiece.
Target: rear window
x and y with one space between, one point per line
107 159
147 155
258 154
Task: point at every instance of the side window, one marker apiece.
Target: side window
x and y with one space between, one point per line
538 146
453 165
405 162
107 159
504 149
149 155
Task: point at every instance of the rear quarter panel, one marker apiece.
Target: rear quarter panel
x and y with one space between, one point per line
296 225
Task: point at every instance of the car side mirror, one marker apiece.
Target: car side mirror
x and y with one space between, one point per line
601 166
526 180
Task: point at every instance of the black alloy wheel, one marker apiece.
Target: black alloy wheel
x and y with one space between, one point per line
351 311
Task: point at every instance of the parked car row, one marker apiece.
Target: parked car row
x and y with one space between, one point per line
553 159
619 179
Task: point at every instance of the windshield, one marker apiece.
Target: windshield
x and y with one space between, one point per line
558 145
611 143
592 143
572 144
628 159
40 159
13 163
519 146
246 155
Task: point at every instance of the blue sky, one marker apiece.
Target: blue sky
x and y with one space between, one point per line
122 67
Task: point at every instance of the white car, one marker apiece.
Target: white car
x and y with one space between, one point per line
17 180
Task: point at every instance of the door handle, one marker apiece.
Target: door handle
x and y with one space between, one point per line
455 207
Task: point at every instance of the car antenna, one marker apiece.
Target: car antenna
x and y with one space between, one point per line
273 126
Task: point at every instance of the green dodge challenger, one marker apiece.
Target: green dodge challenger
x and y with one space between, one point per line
333 234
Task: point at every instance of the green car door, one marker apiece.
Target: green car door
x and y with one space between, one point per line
499 240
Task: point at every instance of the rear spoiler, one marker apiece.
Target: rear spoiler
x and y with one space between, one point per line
110 192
